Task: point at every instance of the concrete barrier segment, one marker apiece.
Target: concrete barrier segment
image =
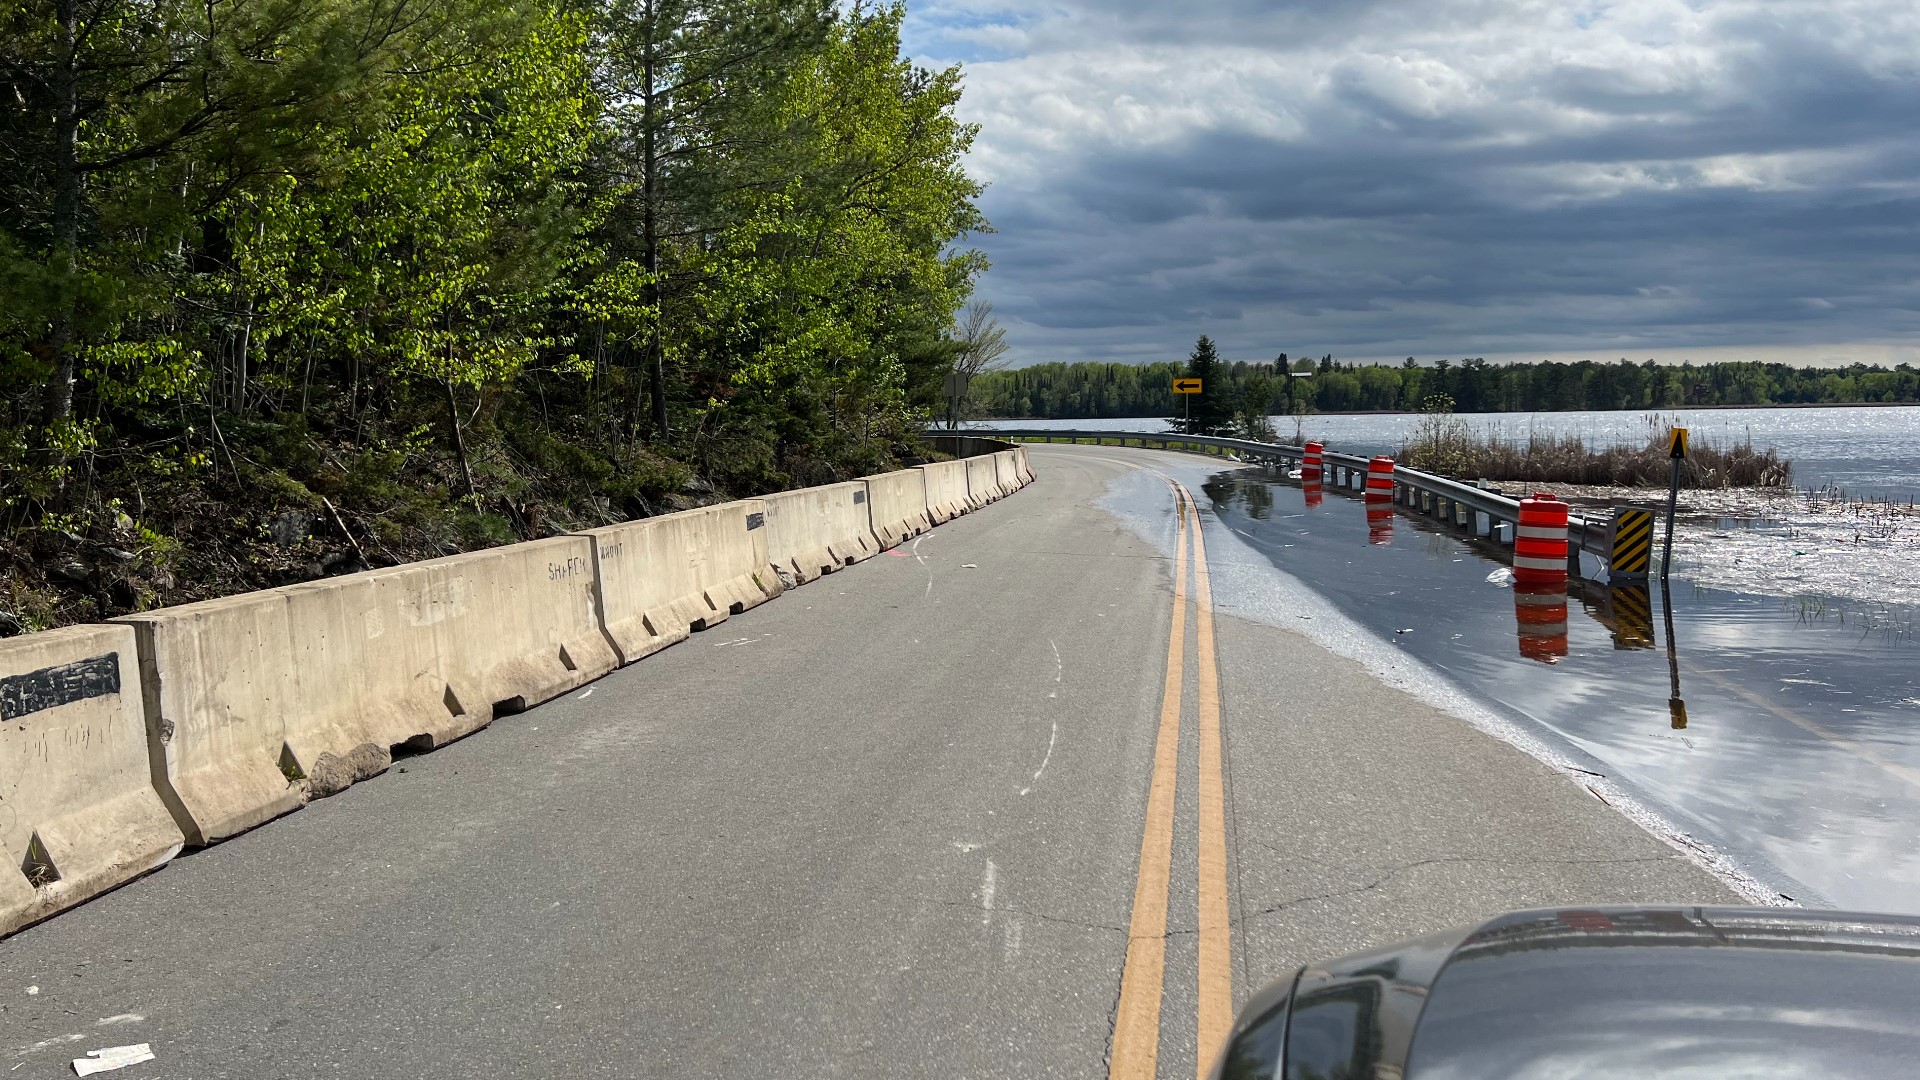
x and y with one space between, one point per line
897 506
946 490
78 811
817 530
663 578
1006 466
1026 466
258 702
983 480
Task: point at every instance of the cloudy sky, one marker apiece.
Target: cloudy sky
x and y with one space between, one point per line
1446 178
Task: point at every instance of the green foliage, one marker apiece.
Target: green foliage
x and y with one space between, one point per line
1210 412
420 271
1096 390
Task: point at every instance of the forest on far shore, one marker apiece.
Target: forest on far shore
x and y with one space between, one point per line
1091 390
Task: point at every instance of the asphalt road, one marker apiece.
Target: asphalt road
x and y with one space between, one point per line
890 825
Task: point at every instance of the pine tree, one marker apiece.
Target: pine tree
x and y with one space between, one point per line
1212 408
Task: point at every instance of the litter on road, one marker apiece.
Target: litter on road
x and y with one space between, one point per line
110 1058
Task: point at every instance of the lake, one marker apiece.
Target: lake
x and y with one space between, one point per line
1871 453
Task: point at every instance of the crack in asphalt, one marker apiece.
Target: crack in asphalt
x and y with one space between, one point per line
1395 871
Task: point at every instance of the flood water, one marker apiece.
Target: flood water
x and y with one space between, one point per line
1799 759
1800 754
1870 452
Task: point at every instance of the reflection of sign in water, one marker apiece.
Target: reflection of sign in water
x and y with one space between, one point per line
1630 617
1632 546
1676 708
1186 386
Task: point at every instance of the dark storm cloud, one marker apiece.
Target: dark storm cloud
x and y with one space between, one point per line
1445 178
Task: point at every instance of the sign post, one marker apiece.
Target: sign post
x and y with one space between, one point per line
1677 453
956 392
1188 388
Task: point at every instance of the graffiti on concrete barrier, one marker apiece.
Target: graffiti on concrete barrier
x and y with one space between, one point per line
37 691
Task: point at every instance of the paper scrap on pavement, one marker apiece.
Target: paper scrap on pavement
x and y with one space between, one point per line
110 1058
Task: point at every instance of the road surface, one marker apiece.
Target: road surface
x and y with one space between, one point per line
947 813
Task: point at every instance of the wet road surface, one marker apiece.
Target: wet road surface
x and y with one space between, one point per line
954 811
1800 758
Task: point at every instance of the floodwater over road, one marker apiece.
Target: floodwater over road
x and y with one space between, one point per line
1799 761
1871 452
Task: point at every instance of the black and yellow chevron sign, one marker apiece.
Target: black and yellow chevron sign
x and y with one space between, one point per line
1632 543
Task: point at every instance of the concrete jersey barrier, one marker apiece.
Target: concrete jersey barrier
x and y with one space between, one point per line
78 811
1026 466
946 490
897 506
261 701
983 480
662 578
818 530
1006 466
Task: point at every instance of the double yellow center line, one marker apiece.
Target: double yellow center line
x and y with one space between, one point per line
1136 1028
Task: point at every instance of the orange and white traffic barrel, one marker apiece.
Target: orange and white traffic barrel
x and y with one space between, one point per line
1540 610
1310 462
1540 541
1379 501
1380 480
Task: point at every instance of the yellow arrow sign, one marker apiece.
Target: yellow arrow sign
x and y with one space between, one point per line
1186 386
1677 443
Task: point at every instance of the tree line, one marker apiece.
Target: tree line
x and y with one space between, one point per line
432 268
1090 390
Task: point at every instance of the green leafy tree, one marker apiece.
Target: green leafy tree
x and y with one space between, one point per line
686 82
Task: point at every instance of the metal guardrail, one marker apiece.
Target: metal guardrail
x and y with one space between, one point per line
1593 535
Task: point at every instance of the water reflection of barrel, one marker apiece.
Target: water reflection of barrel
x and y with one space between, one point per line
1310 486
1311 461
1540 610
1379 501
1540 543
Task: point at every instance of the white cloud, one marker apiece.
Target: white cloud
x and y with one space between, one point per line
1449 176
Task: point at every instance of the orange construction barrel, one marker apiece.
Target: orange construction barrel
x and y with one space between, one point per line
1540 541
1380 480
1379 501
1310 463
